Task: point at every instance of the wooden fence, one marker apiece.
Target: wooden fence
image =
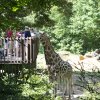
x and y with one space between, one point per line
18 50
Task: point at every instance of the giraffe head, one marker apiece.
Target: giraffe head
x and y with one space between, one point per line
43 38
48 49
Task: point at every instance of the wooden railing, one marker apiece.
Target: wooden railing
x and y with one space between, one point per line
18 50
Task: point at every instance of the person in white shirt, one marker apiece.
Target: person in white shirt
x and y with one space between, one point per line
32 32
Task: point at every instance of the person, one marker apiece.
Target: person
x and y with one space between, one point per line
32 32
18 34
27 32
9 32
16 43
5 43
0 42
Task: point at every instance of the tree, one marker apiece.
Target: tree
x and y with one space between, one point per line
60 31
13 10
85 23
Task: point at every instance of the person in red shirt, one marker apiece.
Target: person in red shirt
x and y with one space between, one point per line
10 43
9 33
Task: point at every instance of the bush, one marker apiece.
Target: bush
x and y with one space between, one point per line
90 83
36 87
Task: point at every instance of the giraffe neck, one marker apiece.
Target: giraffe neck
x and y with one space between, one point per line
47 45
51 56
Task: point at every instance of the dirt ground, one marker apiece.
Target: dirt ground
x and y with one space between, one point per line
88 64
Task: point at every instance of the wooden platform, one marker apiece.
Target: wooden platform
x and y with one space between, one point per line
19 50
13 60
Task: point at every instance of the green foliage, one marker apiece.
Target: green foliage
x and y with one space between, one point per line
79 30
59 32
73 25
36 87
92 96
89 82
85 23
76 47
13 11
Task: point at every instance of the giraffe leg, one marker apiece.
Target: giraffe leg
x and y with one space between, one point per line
55 90
52 79
58 81
59 84
62 83
55 85
67 87
64 87
69 90
70 87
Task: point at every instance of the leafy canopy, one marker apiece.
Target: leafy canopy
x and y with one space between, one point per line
12 11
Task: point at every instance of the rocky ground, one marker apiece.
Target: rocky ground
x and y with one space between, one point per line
87 63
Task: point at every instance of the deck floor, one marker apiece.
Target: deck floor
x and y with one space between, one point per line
12 60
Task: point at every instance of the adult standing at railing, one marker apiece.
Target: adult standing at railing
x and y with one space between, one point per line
26 34
10 42
9 32
5 42
17 45
33 34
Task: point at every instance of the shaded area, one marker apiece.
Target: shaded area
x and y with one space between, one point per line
31 84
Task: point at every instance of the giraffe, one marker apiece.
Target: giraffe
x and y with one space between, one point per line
58 69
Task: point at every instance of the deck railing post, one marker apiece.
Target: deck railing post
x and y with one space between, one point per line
28 50
23 50
32 49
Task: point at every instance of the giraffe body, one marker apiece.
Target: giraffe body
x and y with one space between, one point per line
59 70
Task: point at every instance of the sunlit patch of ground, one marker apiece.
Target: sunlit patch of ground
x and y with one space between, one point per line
88 63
